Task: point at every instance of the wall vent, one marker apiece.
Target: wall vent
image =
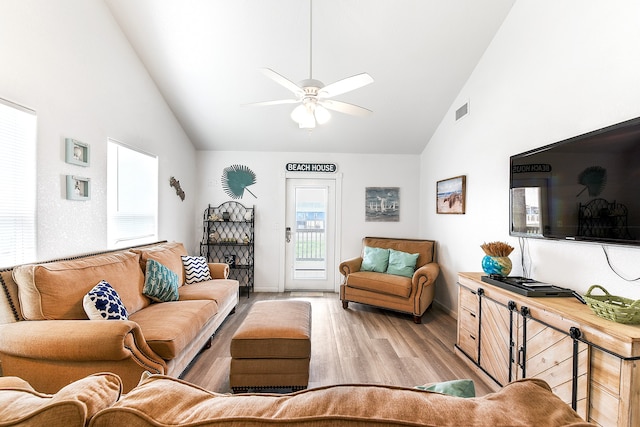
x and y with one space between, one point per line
462 111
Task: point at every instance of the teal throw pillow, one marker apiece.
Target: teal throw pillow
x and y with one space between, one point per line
402 263
375 259
459 388
160 283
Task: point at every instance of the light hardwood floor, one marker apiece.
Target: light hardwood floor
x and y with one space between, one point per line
359 345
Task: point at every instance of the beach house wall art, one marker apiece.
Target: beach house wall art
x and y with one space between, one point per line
382 204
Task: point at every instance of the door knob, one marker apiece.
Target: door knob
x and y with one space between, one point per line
287 234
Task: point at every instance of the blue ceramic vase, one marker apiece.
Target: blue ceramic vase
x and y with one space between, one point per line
500 265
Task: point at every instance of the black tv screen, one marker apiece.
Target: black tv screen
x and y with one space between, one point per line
584 188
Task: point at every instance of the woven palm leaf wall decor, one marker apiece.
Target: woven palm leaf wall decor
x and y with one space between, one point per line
594 178
236 179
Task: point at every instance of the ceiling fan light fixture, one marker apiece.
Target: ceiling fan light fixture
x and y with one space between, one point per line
314 96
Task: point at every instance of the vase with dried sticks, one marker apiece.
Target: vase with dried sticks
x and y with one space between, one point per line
496 260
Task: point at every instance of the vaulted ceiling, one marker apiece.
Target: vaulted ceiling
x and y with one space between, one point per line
205 57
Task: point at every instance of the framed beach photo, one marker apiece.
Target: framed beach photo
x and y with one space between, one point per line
451 195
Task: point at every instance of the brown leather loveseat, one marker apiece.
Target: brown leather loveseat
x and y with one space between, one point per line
396 285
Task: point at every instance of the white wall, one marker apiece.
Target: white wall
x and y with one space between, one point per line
68 61
554 70
358 172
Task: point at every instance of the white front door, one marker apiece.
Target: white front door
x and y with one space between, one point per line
310 229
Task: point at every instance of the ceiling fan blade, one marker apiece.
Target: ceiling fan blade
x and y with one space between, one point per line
346 85
275 102
345 107
282 81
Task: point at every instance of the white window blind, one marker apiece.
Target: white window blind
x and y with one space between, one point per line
17 184
132 192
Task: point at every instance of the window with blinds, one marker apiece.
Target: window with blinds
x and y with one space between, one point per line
132 193
17 184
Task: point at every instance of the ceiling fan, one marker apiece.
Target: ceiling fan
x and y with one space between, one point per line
313 96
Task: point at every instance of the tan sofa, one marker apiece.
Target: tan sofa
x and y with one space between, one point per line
47 338
411 295
164 401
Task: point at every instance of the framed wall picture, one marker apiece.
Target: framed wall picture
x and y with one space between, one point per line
382 204
451 195
76 152
78 188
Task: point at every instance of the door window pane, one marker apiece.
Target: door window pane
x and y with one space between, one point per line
310 233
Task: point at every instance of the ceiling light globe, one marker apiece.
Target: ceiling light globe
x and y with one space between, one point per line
322 114
299 114
308 123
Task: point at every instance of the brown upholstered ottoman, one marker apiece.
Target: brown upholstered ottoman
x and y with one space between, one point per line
272 347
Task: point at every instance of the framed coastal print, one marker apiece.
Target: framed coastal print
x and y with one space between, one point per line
76 152
78 188
450 195
382 204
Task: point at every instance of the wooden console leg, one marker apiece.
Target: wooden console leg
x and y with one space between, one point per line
417 319
345 304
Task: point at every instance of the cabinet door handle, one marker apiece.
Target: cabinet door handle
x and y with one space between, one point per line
472 337
520 360
472 314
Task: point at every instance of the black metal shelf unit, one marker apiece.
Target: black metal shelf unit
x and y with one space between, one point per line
228 236
603 219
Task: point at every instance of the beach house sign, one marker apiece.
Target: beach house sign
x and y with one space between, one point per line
312 167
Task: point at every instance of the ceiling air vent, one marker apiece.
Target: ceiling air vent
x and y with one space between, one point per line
462 111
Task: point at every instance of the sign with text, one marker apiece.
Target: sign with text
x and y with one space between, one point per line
533 167
312 167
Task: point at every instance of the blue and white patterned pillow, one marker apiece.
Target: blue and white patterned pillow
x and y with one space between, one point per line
160 283
103 303
196 269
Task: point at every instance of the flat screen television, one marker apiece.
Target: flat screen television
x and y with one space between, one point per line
585 188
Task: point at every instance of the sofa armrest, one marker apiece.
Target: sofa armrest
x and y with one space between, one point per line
350 266
425 276
219 270
78 341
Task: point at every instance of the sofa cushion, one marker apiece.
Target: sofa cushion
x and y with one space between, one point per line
160 283
196 269
381 283
56 290
375 259
161 400
103 303
74 405
170 327
168 254
402 263
219 290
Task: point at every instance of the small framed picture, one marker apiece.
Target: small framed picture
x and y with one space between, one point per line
382 204
78 188
230 259
76 152
450 195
